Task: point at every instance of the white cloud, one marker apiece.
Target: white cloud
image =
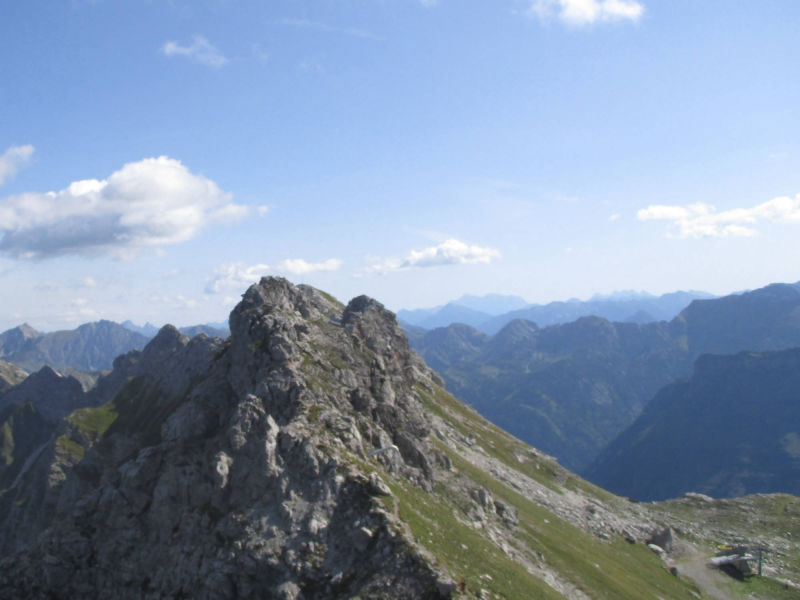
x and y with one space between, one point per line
240 275
614 217
235 275
586 12
449 252
153 202
14 159
703 220
200 51
298 266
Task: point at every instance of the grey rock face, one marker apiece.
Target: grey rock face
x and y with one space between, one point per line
231 469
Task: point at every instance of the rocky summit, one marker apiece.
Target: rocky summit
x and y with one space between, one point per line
310 455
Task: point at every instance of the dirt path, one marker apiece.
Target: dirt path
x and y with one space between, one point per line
710 581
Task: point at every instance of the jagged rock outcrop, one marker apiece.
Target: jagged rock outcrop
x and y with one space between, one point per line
232 464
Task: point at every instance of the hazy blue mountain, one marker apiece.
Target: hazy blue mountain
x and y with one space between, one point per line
622 307
208 330
417 315
732 429
471 310
492 304
763 319
571 388
453 313
90 347
148 329
568 388
15 340
492 312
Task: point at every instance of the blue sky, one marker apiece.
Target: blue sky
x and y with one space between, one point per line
157 156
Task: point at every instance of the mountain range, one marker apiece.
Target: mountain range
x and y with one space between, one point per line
91 347
313 455
491 313
732 428
570 389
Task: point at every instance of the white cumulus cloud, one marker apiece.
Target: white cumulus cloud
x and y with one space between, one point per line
298 266
153 202
703 220
586 12
449 252
241 275
235 275
200 51
14 159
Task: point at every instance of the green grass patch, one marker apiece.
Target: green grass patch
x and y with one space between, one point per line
762 588
94 421
496 442
7 435
601 570
70 447
466 553
330 299
142 410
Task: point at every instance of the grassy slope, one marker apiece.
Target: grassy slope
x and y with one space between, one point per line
613 570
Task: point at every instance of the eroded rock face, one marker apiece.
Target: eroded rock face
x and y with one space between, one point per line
237 469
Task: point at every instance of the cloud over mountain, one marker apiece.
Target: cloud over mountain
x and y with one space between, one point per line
241 275
298 266
449 252
153 202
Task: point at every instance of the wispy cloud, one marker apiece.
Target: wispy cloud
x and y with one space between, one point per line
703 220
326 28
14 159
153 202
449 252
240 275
200 51
586 12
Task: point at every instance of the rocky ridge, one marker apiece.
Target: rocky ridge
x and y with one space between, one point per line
224 461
